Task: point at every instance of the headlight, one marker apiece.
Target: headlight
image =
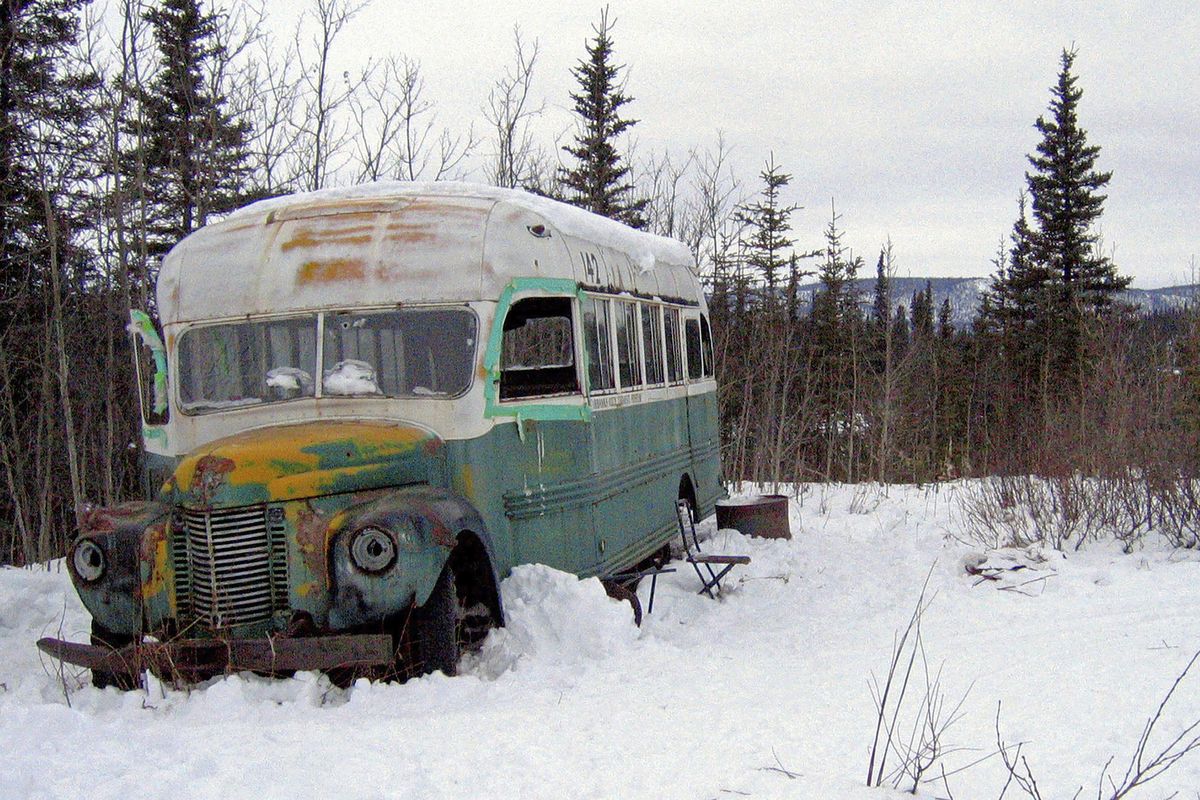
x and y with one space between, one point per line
373 550
88 560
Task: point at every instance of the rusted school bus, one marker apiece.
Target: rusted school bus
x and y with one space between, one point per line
377 402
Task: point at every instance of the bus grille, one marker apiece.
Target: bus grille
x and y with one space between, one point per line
230 565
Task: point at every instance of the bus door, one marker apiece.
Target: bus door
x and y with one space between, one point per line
545 457
702 408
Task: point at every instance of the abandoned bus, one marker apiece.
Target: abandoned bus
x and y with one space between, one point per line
367 406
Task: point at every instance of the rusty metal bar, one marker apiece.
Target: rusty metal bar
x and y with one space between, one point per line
279 654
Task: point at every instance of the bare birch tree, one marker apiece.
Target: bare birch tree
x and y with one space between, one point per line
510 110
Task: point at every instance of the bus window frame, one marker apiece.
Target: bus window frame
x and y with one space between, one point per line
691 315
574 314
656 310
635 345
569 407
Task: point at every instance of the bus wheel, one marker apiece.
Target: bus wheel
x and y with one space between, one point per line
434 629
102 679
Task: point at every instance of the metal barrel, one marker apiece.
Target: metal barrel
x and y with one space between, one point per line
764 516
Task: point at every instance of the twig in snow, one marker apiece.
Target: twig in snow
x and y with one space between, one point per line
747 579
780 768
1140 771
882 697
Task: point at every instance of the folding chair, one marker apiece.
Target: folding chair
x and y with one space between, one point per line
692 554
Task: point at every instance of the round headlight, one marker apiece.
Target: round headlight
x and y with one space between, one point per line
373 550
88 560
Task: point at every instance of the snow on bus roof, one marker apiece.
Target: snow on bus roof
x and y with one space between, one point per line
644 248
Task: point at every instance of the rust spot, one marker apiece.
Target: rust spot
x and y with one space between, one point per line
330 270
410 233
442 535
311 527
311 237
433 447
105 520
153 537
210 474
154 554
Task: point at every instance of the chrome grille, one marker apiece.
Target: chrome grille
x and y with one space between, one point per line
183 570
234 566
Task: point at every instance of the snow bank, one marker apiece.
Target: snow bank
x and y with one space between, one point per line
555 620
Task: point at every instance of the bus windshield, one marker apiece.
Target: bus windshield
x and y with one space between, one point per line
413 352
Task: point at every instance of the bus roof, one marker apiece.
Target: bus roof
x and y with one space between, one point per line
394 243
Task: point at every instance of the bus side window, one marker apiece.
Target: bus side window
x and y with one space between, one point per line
629 355
691 336
596 324
674 359
537 356
706 336
652 342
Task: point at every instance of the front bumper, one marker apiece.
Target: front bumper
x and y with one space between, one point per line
186 660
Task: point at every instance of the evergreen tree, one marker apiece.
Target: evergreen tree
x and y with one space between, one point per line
768 223
599 181
194 157
945 321
46 108
1020 292
1065 190
48 158
835 306
900 334
881 307
922 312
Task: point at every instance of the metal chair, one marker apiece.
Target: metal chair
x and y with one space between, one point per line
698 559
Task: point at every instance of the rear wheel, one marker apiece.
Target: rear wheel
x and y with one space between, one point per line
102 679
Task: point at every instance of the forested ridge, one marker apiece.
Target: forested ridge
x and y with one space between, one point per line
127 124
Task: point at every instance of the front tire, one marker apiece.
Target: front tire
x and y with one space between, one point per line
102 679
434 629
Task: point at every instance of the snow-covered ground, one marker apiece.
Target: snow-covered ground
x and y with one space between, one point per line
764 693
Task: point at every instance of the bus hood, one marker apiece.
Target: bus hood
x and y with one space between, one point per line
292 462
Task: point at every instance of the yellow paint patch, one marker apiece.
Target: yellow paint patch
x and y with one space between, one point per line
410 233
331 270
295 451
158 574
466 481
305 589
303 238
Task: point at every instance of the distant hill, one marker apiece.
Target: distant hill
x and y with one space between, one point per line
964 294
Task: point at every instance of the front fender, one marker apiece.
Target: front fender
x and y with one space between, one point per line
128 534
427 524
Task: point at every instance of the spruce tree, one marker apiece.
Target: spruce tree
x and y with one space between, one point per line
46 108
881 307
194 159
922 312
1053 274
1065 190
768 223
945 321
599 181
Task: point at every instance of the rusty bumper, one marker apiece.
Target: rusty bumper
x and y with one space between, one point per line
198 657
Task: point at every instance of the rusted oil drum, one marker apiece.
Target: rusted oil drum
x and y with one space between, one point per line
764 515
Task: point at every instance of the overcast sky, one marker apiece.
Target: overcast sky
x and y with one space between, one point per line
915 118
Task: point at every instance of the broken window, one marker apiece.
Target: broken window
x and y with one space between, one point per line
537 357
